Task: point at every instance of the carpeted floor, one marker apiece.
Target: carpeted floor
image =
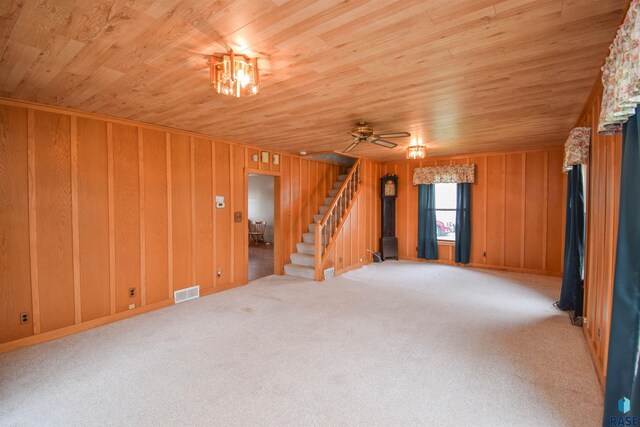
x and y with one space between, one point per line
397 343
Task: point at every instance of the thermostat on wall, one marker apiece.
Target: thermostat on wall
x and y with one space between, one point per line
219 201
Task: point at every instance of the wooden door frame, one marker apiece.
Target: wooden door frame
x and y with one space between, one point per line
278 265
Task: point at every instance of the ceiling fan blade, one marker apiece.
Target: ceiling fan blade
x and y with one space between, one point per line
355 135
352 146
383 143
392 135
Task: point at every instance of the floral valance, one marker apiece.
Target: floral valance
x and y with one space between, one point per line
576 149
621 75
444 174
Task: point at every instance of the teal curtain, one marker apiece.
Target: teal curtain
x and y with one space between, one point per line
622 395
427 237
463 223
572 287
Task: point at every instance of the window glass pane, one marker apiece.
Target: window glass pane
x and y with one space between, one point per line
446 196
446 225
445 211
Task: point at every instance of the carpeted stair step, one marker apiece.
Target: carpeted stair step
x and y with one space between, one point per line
308 238
337 185
299 271
342 178
323 209
318 217
303 259
328 201
333 192
312 228
306 248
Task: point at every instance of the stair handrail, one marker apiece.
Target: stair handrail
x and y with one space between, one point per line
348 183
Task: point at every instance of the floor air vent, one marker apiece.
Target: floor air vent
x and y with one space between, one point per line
186 294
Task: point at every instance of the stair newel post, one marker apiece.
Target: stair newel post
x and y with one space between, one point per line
317 253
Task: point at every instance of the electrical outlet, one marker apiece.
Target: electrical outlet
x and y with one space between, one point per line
219 272
132 306
24 318
484 253
132 292
340 260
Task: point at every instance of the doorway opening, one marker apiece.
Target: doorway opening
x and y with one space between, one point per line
261 225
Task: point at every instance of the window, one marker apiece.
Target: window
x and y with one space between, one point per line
446 195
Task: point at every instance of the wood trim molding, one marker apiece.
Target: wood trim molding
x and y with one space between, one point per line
75 222
112 216
169 216
33 230
143 245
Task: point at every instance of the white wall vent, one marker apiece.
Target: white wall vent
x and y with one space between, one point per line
329 273
186 294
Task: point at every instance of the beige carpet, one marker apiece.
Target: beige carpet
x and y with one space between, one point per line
396 343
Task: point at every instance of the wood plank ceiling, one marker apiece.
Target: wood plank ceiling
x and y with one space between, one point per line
464 75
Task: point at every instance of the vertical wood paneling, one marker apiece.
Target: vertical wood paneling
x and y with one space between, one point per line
295 200
498 200
143 272
555 213
93 218
95 207
15 275
239 199
496 210
77 302
514 214
53 210
478 212
223 225
602 197
181 210
112 219
535 207
204 205
156 216
126 215
33 223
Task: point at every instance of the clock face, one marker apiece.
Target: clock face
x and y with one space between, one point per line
389 188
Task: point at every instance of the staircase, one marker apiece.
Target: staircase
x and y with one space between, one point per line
307 262
303 261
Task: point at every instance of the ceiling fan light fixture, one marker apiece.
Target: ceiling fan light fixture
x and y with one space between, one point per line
416 150
235 75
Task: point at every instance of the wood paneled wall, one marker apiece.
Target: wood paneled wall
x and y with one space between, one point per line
361 230
517 210
92 207
603 200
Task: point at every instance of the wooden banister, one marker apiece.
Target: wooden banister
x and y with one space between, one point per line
326 230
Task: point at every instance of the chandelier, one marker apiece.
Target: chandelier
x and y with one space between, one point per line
235 75
416 150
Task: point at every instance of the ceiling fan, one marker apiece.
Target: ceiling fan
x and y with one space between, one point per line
363 132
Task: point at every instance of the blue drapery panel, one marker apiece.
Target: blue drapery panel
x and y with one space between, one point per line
463 223
572 285
622 395
427 237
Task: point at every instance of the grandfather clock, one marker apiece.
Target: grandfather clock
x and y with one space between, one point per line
389 192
